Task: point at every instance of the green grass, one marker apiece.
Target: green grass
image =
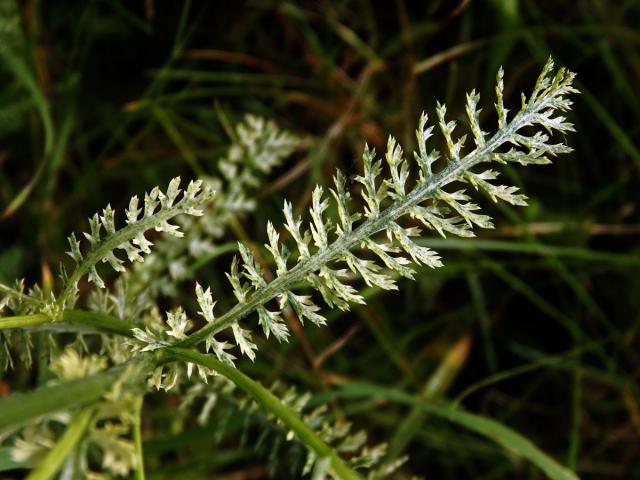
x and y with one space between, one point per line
101 100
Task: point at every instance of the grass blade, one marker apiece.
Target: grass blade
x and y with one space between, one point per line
495 431
57 455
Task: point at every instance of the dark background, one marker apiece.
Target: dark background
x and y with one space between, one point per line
550 298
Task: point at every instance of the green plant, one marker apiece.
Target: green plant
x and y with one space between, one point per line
97 396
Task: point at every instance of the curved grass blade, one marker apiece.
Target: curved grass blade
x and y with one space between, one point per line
495 431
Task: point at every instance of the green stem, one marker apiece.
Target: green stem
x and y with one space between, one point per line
18 409
57 455
269 403
91 321
24 321
137 438
99 321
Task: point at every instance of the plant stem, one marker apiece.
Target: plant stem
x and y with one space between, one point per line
92 321
137 438
269 403
57 455
99 321
24 321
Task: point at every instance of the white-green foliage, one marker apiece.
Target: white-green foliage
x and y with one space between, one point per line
20 302
105 239
156 336
372 238
377 242
258 146
339 434
109 433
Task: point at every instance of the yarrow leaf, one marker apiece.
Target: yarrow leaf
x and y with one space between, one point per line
158 209
328 256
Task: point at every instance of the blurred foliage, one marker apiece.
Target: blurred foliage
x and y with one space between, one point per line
103 99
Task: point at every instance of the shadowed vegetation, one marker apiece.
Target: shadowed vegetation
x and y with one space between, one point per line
516 359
